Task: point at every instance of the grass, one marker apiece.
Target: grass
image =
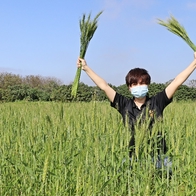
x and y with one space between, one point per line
81 149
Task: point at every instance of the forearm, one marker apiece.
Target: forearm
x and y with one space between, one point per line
100 82
182 77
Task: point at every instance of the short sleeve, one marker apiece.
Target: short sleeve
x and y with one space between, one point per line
119 102
162 100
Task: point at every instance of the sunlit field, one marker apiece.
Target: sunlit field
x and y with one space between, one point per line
81 149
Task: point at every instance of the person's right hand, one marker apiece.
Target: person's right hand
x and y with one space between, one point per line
195 54
81 63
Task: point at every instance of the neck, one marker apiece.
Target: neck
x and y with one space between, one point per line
139 101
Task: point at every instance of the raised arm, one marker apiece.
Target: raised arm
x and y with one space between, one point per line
101 83
180 79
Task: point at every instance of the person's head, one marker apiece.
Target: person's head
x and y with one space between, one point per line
137 81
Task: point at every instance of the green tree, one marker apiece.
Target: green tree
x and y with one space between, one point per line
84 93
8 79
185 93
154 88
124 90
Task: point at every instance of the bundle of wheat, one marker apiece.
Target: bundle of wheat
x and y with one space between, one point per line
175 27
87 30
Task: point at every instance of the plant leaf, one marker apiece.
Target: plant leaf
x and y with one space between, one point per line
87 30
175 27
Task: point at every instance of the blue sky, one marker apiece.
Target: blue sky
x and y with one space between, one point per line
42 37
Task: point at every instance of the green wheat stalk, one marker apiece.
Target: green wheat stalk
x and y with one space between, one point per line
45 169
175 27
87 30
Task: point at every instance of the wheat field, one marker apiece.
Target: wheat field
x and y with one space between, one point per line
50 148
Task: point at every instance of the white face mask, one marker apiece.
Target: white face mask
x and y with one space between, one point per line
139 91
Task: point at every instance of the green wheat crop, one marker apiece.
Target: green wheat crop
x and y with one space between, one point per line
81 149
175 27
87 30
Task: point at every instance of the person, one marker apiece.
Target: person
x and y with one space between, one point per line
137 81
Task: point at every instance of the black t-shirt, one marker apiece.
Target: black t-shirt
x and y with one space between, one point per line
129 111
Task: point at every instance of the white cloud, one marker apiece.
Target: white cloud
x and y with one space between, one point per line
113 8
142 3
191 5
9 70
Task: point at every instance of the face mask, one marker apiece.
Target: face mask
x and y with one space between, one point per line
139 91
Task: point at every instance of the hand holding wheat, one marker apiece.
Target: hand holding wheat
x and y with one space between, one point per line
87 30
174 26
81 63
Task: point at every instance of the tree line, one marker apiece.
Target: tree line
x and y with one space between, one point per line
37 88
